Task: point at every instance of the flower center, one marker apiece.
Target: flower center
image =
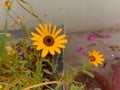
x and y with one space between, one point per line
92 58
48 40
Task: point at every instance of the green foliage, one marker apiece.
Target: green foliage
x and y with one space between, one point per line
4 39
22 65
87 69
77 87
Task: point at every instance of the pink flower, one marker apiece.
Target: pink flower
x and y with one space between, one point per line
79 49
103 35
91 37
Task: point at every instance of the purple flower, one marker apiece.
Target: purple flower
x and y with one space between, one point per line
91 37
103 35
21 53
79 49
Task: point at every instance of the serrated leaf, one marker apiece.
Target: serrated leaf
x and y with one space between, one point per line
88 73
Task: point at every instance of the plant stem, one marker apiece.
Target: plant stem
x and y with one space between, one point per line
29 11
43 84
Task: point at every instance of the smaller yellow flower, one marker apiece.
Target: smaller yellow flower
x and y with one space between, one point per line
96 58
1 86
10 50
12 23
7 4
20 19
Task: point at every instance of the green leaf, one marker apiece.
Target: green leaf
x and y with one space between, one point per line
12 1
76 87
88 73
4 39
87 65
47 72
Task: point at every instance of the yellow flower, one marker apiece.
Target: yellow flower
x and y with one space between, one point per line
48 40
7 4
1 86
96 58
20 19
10 50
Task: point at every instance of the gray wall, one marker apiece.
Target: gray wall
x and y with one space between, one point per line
77 15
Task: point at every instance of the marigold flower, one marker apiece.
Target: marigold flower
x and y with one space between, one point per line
49 41
7 4
96 58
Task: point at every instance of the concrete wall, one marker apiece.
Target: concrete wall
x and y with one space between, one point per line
77 15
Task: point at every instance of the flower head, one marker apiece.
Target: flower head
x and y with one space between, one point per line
7 4
104 36
80 49
91 37
1 86
48 40
96 58
20 19
10 50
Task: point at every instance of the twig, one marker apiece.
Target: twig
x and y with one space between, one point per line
13 83
43 84
29 11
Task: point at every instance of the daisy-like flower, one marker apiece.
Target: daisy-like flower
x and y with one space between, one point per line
48 39
7 4
96 58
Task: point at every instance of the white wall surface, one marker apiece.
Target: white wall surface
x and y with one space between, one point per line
76 15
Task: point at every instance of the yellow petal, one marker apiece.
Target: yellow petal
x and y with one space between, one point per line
39 47
100 62
34 34
41 27
52 50
95 64
37 43
54 30
100 55
60 46
57 50
62 41
60 37
89 53
95 52
45 51
39 31
37 39
46 28
50 24
58 32
1 86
